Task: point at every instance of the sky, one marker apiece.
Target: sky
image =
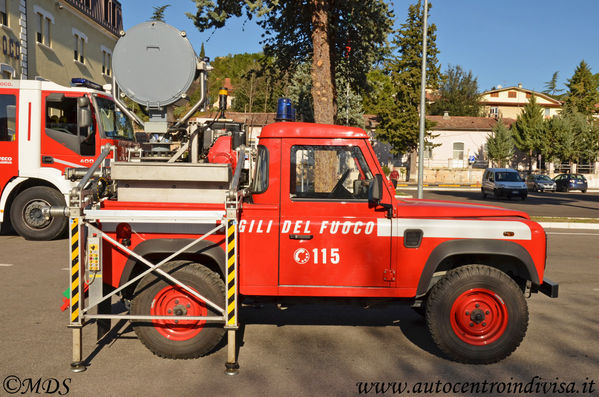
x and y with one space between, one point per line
502 42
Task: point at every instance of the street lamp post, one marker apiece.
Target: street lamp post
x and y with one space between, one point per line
422 103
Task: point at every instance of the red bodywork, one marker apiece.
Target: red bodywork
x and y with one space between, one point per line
354 249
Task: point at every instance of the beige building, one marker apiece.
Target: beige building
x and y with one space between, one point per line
57 40
509 102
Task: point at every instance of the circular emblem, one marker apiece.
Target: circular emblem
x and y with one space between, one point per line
301 256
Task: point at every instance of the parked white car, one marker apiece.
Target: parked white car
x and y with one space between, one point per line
503 182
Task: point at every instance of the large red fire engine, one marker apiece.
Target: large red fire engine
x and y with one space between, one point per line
45 128
184 244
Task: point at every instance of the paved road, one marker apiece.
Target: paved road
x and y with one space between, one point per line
304 350
571 204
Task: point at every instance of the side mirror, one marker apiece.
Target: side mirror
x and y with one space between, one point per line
375 190
84 115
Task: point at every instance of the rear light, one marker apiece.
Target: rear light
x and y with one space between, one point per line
123 233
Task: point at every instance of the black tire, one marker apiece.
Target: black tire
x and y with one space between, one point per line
584 190
483 193
156 295
490 331
495 194
523 197
26 214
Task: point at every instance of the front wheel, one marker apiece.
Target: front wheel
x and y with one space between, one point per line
179 339
477 314
27 213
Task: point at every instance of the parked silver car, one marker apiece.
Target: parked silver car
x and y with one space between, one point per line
503 182
540 183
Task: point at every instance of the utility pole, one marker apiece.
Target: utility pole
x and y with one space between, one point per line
422 103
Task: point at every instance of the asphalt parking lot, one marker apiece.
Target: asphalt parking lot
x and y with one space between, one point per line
301 351
550 204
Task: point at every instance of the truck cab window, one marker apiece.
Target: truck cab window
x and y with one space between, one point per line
7 117
114 124
260 182
61 125
329 172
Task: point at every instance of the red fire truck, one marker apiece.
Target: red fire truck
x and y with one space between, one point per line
184 244
45 128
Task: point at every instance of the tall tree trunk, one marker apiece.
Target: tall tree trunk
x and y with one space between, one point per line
322 72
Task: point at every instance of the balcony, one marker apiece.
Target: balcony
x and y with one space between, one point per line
106 13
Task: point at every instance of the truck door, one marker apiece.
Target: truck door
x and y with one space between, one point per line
328 235
9 164
63 143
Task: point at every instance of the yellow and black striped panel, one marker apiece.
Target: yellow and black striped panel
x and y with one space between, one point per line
231 285
74 270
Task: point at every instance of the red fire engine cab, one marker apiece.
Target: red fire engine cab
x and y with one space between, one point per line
185 243
44 129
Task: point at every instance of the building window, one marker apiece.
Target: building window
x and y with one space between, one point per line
494 94
79 47
106 61
494 112
458 150
7 72
547 112
427 153
512 94
528 95
3 13
43 20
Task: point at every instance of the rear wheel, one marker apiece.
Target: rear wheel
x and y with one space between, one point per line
27 218
179 339
477 314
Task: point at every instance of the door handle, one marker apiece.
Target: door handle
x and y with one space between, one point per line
301 236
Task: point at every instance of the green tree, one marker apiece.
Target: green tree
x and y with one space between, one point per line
350 111
582 90
398 110
573 137
500 144
377 95
529 130
158 14
458 94
322 31
551 85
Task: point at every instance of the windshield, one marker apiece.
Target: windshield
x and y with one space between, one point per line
507 176
544 178
114 123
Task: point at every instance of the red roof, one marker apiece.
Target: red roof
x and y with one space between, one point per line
466 123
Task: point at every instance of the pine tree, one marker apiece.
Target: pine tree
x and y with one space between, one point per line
319 31
458 94
582 90
500 144
529 130
551 85
399 111
573 137
158 14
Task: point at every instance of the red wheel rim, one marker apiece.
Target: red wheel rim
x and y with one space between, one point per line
175 301
479 317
